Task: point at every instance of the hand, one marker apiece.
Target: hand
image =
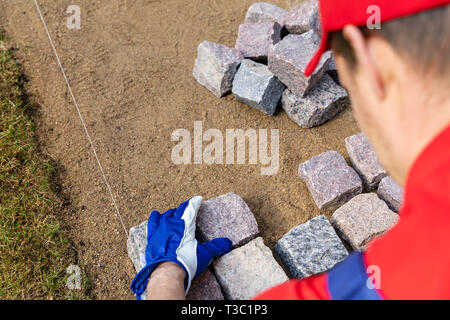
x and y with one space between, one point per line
171 237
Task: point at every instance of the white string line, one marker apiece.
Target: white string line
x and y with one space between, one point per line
81 117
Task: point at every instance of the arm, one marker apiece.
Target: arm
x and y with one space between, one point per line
167 282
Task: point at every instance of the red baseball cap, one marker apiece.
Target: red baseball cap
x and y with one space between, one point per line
336 14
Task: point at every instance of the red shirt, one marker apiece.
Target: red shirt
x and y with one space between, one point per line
413 258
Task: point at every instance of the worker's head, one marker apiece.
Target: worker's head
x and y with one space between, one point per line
394 75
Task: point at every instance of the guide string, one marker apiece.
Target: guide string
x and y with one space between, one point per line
81 118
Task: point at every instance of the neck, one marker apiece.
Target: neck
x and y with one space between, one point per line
425 117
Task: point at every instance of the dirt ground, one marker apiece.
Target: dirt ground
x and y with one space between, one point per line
130 66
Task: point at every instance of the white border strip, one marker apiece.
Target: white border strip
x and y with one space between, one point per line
81 117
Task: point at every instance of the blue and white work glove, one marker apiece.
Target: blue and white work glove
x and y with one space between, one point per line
171 237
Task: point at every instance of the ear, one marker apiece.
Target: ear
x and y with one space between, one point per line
365 58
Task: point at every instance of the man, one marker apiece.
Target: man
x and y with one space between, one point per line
398 80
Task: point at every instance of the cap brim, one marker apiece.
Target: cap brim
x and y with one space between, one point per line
316 58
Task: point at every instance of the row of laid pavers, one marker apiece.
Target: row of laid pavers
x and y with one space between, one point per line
314 247
266 66
310 248
250 268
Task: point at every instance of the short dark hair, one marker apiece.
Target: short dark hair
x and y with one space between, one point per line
423 39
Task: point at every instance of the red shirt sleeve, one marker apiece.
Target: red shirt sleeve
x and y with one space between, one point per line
312 288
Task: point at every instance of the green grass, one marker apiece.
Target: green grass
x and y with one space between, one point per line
34 253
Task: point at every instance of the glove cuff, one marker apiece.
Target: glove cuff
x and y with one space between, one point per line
189 274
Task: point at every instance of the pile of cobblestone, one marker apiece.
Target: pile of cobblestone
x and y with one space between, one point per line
266 66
